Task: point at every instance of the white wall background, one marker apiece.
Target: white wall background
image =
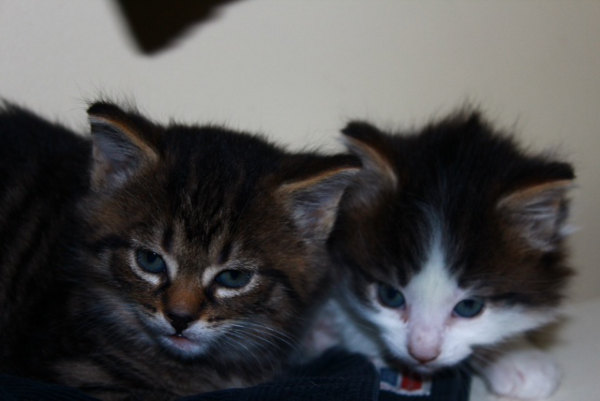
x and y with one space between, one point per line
297 70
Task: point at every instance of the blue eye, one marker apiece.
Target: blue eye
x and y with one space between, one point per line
233 278
150 262
389 296
469 308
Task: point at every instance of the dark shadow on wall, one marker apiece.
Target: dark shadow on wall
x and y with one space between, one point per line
156 24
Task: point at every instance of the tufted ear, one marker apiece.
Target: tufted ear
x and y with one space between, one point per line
313 200
539 212
122 144
378 173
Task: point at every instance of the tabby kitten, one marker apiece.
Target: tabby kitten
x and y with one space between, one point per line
151 262
453 238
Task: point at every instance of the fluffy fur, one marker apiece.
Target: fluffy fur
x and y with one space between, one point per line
439 223
150 262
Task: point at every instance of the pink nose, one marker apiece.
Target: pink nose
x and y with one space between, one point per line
423 356
424 344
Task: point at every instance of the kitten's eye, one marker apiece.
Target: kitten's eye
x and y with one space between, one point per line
389 296
233 278
150 261
469 308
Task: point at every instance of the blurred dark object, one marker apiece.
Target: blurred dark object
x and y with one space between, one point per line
155 24
340 376
334 376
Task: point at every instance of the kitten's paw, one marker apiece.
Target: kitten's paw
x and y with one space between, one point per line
526 374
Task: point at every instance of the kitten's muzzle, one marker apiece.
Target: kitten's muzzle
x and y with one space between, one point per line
180 322
424 344
423 358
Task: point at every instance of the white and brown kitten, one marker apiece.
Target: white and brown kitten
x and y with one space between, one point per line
451 243
150 261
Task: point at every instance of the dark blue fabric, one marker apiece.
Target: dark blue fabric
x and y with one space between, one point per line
14 388
449 385
335 376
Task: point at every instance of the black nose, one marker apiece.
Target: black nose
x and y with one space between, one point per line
180 322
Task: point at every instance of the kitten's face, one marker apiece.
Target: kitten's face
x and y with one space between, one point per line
432 321
203 241
448 252
237 293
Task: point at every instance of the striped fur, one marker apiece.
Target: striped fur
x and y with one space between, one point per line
80 309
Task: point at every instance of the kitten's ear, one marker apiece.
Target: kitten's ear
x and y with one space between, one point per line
313 200
378 174
122 144
539 212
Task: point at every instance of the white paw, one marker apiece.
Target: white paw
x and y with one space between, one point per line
524 374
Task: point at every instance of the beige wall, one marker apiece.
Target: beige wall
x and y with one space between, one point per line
298 69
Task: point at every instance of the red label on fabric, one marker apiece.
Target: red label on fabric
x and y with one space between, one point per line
403 383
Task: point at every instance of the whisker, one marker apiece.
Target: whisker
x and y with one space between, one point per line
258 328
241 343
263 344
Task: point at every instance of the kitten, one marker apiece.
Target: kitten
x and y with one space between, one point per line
453 243
151 262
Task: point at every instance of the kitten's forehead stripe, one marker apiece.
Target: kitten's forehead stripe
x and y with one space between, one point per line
211 194
225 253
172 265
167 240
430 289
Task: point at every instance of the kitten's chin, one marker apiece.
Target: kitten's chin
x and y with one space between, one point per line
426 370
182 346
401 363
